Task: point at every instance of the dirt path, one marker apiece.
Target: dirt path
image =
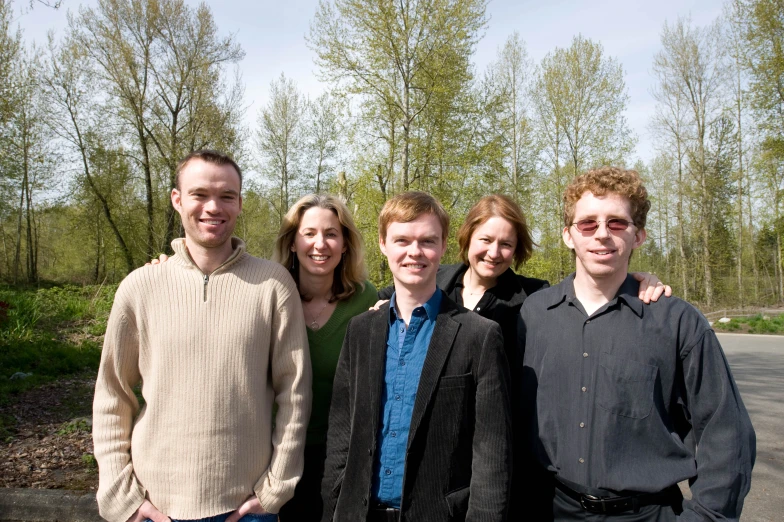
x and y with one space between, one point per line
49 444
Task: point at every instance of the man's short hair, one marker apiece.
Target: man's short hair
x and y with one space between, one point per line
407 207
609 180
210 156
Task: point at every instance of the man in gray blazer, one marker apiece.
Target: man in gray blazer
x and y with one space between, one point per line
420 425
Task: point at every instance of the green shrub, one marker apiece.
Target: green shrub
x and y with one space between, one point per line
756 324
88 459
47 333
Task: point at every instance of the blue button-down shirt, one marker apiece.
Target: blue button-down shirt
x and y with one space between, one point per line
406 351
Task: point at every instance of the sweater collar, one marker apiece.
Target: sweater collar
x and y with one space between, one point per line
182 254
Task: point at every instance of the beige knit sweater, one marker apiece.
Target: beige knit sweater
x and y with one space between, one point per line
213 355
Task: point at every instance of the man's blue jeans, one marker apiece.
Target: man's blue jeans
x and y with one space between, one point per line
250 517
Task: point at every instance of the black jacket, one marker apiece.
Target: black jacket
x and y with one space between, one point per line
501 304
459 449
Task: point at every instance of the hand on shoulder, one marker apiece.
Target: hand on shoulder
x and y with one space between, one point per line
651 288
161 259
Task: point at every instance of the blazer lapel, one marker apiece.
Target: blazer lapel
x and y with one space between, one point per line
441 342
377 351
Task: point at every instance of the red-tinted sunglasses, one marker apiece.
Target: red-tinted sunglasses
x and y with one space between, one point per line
614 224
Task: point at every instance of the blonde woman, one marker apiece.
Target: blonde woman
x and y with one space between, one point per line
320 245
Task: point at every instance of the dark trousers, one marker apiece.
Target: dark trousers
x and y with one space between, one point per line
306 506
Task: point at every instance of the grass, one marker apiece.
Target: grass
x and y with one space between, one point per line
48 333
757 324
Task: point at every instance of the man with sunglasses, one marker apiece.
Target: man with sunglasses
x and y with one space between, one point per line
621 401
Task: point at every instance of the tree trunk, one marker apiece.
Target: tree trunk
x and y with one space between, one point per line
32 261
779 264
5 250
682 231
514 139
18 253
707 215
740 190
755 268
97 267
149 193
170 214
129 264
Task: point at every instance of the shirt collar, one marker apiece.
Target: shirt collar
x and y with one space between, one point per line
432 306
627 293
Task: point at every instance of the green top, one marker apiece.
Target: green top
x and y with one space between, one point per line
325 344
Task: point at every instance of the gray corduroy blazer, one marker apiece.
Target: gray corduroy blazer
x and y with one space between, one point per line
458 458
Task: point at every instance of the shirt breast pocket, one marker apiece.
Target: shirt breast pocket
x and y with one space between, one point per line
625 387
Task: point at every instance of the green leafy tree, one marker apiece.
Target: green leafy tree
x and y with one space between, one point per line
403 57
75 118
761 26
579 97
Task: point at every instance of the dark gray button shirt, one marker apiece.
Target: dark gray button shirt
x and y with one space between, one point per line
619 400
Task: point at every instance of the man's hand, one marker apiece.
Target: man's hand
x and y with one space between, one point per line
162 259
251 505
148 511
651 289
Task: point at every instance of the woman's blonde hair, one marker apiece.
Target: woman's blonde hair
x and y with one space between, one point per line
350 274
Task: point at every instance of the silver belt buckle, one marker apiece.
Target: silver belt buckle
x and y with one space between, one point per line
591 507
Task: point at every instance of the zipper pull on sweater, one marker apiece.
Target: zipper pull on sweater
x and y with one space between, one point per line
206 280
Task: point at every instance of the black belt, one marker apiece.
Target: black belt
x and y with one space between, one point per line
619 504
383 513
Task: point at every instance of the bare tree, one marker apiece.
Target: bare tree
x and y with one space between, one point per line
323 132
692 69
508 82
279 139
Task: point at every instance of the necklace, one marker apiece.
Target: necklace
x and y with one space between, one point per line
470 277
314 324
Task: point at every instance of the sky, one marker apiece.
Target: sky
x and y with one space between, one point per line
272 33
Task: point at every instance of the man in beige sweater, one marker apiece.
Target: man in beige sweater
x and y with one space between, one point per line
215 336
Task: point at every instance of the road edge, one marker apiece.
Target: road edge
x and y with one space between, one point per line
48 505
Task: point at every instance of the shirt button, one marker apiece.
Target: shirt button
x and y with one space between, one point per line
584 389
402 362
387 471
370 452
588 321
402 329
585 354
394 434
397 397
477 308
582 425
582 460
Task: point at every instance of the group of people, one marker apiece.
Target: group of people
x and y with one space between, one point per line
283 390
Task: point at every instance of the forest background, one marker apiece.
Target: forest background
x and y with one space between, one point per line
93 122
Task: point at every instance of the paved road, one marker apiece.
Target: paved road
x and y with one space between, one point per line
757 362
